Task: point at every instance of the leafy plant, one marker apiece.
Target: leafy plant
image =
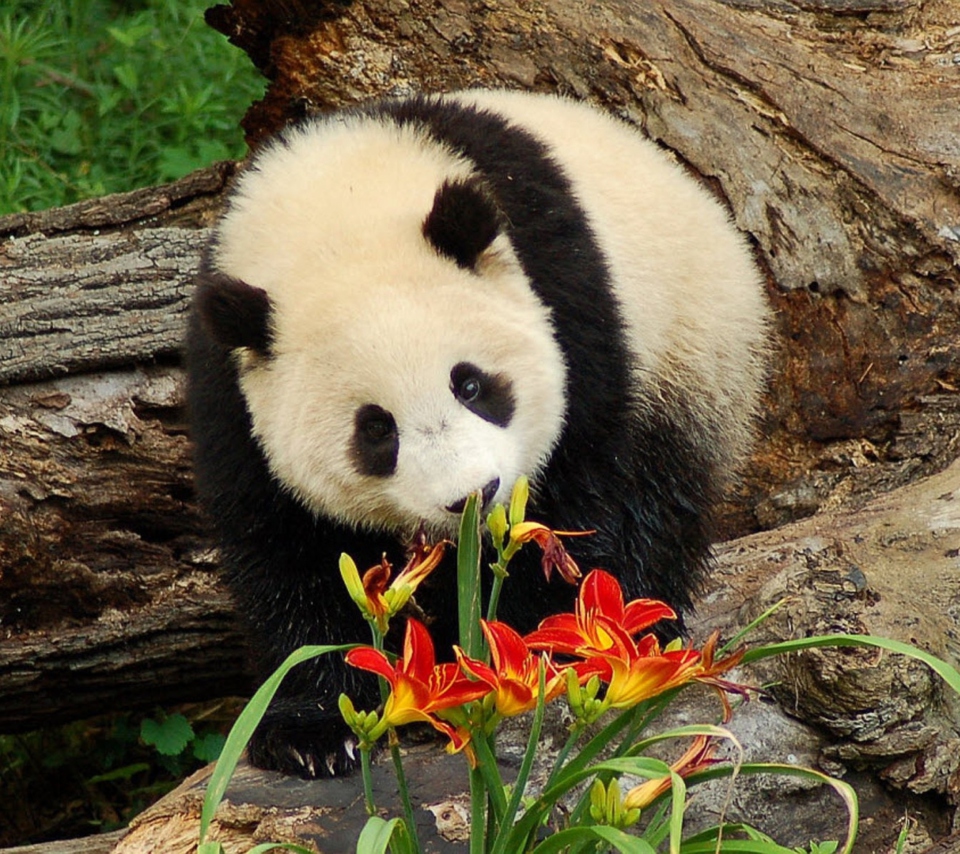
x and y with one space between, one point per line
609 662
97 97
96 774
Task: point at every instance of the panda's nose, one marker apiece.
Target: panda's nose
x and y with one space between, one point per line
486 496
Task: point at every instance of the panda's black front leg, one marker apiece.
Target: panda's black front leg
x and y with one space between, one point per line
292 595
304 734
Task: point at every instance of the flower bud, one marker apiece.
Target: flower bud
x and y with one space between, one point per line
518 500
497 526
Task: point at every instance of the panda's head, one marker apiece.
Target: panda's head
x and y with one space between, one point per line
390 350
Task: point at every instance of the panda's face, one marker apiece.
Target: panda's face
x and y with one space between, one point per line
388 414
392 354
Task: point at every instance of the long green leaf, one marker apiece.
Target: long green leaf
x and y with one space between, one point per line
468 579
243 729
376 835
736 846
611 836
678 798
843 789
949 674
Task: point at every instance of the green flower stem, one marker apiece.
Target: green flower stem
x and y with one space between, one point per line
478 812
490 775
500 574
367 781
561 759
506 825
495 589
395 755
404 794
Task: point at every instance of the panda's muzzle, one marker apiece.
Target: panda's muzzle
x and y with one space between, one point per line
486 496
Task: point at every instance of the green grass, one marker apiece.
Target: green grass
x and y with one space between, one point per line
100 96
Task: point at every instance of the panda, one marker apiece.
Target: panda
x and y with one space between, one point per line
414 300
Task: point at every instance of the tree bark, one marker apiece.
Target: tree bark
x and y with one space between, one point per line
108 595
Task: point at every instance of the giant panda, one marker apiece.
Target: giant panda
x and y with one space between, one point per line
414 300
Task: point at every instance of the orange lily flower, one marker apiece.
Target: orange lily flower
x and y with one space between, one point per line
555 556
599 610
515 675
637 671
377 597
602 631
698 757
419 686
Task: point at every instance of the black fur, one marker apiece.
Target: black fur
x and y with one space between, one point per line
233 312
463 222
623 466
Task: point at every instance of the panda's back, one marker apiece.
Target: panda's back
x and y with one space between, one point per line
685 280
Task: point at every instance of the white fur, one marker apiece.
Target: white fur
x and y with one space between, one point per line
367 312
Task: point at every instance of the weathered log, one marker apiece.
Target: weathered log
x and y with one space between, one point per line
107 591
99 843
104 282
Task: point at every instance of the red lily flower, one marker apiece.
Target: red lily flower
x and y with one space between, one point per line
515 675
419 686
599 610
601 632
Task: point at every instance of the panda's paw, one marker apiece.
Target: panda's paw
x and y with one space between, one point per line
322 747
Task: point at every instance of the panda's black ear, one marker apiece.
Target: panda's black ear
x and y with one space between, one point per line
232 312
463 222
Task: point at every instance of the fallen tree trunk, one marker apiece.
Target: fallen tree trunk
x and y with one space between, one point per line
108 596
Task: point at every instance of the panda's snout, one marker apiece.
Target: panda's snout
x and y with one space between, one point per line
486 497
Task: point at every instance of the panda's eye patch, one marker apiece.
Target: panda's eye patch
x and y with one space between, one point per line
489 396
377 429
375 441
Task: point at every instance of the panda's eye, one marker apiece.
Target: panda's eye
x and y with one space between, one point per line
489 396
375 441
468 390
377 429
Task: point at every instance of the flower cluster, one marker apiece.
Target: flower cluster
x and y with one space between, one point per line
606 640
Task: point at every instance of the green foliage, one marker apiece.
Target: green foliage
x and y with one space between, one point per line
100 96
95 775
170 735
